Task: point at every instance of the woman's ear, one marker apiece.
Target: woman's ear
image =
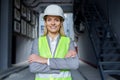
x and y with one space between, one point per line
61 24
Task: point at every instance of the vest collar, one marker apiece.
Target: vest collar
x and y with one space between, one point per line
56 38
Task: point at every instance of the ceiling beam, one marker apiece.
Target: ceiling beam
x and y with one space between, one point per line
40 5
65 8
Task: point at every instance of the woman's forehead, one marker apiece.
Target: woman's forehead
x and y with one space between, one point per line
51 16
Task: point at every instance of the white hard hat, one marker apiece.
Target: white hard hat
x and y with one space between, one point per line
54 10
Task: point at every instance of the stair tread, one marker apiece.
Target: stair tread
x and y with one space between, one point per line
107 55
112 71
109 62
113 47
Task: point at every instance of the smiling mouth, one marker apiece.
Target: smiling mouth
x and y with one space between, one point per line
53 27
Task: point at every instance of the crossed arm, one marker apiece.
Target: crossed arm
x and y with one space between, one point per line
42 60
39 64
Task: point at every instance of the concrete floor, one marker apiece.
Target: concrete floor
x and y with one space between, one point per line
21 75
85 72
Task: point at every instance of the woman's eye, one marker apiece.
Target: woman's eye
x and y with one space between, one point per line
57 20
48 19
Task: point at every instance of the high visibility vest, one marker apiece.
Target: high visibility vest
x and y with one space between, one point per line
61 51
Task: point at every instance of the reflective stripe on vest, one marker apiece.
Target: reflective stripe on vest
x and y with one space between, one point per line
61 51
63 74
67 78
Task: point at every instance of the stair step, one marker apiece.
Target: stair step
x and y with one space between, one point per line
113 44
109 63
111 55
110 40
107 54
113 47
112 71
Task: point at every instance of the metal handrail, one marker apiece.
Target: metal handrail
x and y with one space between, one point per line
107 30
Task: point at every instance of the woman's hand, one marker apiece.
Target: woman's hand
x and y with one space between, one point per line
71 53
36 58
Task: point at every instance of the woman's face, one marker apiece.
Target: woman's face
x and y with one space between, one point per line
53 24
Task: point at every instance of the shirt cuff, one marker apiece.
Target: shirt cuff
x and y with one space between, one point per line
48 61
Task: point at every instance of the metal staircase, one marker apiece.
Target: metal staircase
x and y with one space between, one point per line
104 41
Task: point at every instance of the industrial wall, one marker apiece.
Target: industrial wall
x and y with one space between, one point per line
85 47
23 49
5 35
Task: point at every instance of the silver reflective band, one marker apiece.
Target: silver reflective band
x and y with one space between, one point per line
61 75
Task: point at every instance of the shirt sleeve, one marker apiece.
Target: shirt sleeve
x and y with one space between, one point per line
37 67
65 63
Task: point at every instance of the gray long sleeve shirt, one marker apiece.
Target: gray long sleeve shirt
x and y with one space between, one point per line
55 63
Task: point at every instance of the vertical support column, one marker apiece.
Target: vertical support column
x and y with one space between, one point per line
5 34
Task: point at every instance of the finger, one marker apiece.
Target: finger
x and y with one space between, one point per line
73 55
30 61
73 52
67 56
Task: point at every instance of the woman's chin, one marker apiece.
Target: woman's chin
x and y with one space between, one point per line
54 32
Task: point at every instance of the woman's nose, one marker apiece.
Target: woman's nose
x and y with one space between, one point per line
53 22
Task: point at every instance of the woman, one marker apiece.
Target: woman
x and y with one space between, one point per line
53 54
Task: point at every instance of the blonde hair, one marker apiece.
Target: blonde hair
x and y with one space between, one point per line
61 31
